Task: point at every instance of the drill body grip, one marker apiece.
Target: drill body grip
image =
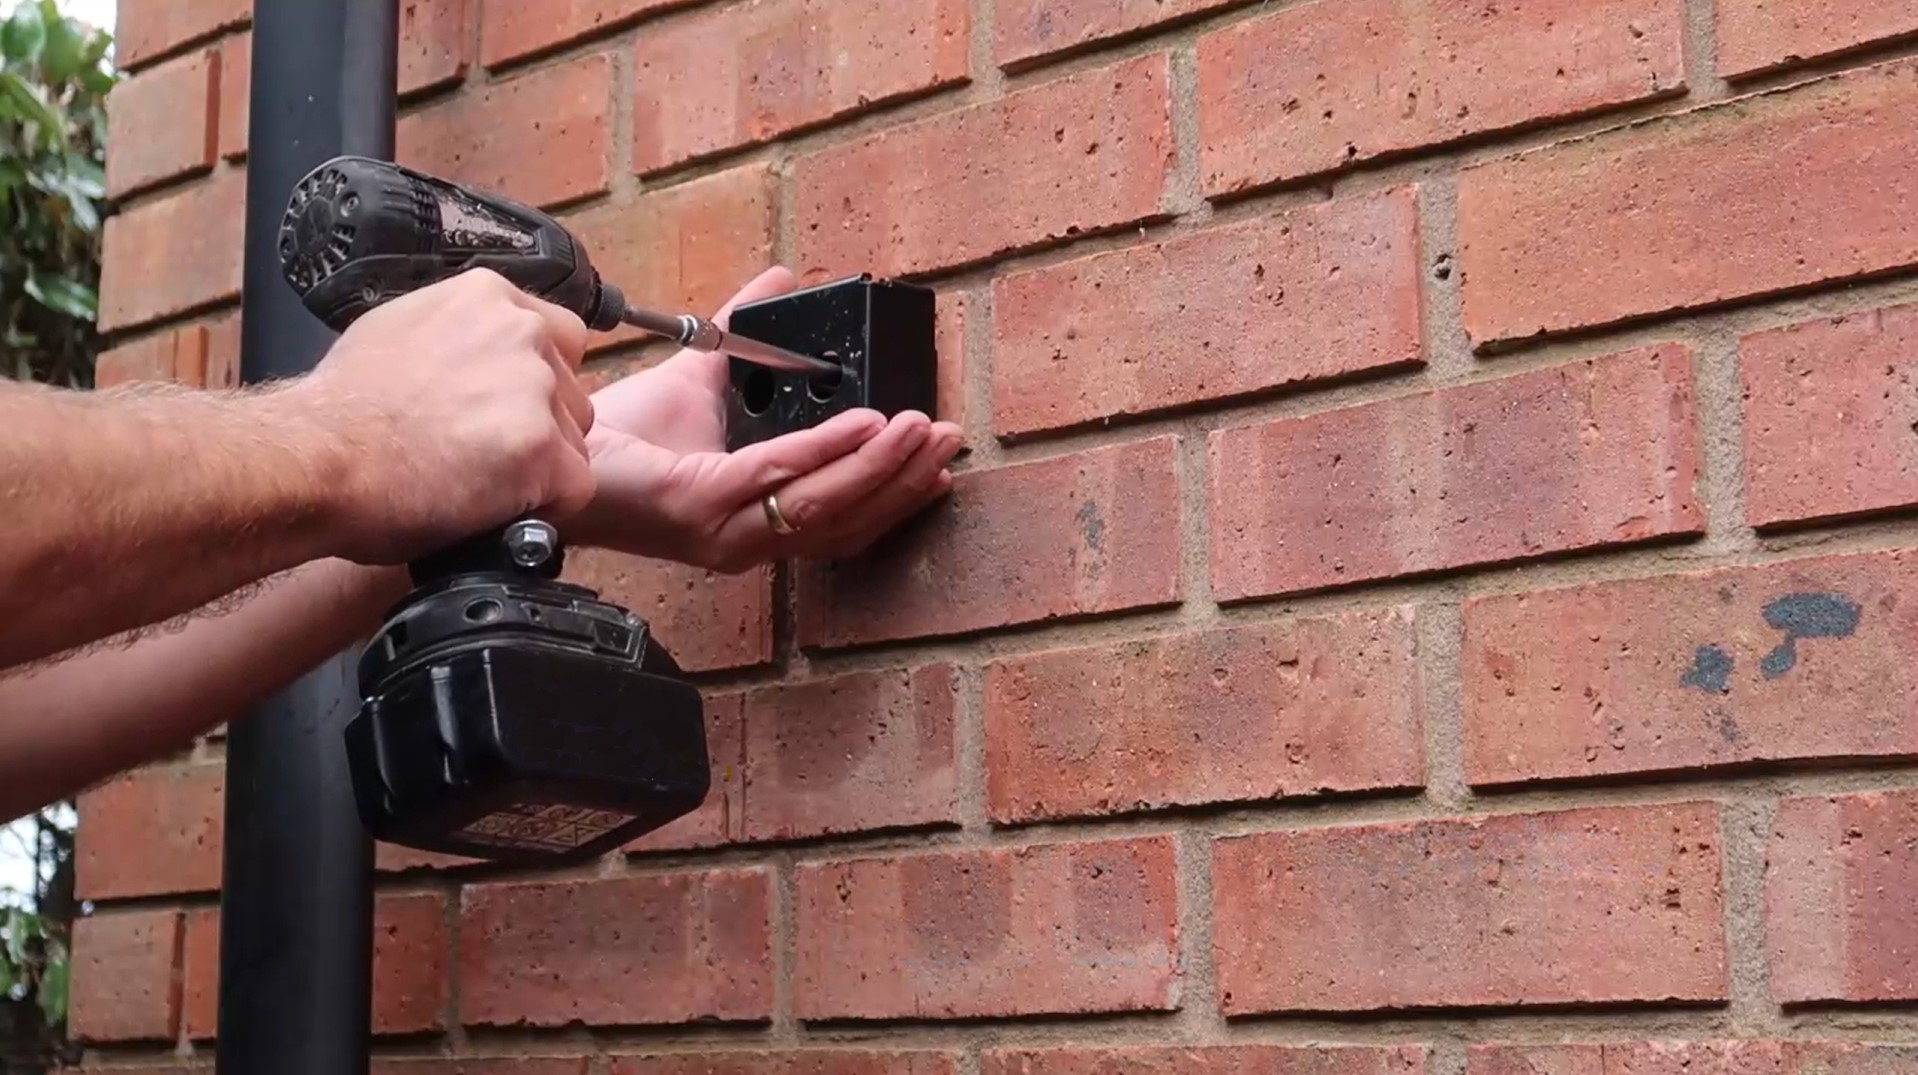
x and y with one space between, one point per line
359 232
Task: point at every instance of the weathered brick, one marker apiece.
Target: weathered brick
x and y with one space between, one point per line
1580 456
1087 533
1839 920
1591 906
869 750
409 966
124 974
151 832
560 116
954 310
1062 928
223 352
510 31
177 355
733 76
148 29
162 123
721 818
436 40
235 99
1753 1057
170 255
706 621
466 1065
1027 30
1322 85
798 1062
1829 411
1268 711
686 247
1684 212
1285 300
1082 154
1755 36
859 752
700 943
1693 672
1208 1060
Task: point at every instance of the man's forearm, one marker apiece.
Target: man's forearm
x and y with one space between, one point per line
70 724
129 507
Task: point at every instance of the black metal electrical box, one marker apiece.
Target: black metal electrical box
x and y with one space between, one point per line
881 330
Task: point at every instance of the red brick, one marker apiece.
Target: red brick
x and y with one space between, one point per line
436 43
1694 672
1681 213
626 951
509 31
1322 85
223 352
871 750
176 355
1208 1060
1026 30
1828 417
148 29
727 77
561 117
1268 711
706 621
152 832
721 819
1839 920
169 256
162 123
409 966
798 1062
1281 301
1755 36
236 89
686 247
1581 456
955 309
1062 928
1088 153
1081 534
125 980
1590 906
1756 1057
466 1065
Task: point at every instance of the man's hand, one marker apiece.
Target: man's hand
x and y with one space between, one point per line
451 409
668 489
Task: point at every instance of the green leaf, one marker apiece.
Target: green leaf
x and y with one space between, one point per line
23 36
53 990
61 295
63 51
32 106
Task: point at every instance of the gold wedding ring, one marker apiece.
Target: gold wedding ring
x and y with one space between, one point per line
773 515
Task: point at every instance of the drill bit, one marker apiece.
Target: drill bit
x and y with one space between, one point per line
702 335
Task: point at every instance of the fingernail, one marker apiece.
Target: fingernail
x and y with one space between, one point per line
916 435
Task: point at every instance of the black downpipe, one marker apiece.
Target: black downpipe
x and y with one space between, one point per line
296 906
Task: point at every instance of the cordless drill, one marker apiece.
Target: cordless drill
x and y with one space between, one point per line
506 715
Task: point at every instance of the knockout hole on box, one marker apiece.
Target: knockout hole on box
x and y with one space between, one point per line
826 385
757 393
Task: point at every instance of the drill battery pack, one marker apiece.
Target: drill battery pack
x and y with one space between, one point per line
522 722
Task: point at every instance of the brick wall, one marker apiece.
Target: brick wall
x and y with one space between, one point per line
1433 589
